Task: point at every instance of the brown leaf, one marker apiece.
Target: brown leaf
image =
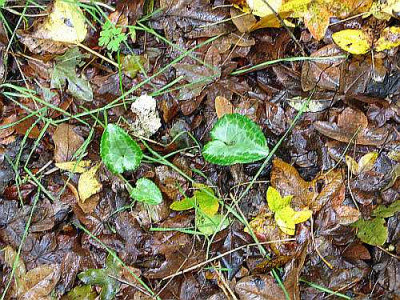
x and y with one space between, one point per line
242 22
356 251
322 73
349 122
223 106
41 281
66 142
261 287
314 194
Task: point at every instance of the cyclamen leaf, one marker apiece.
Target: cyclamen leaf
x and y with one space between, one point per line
235 139
146 191
119 151
372 232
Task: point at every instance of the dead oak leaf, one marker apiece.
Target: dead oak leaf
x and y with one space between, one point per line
352 124
312 194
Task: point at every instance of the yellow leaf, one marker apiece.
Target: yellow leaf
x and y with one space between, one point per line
367 162
390 38
261 9
302 216
391 7
354 41
74 166
284 219
65 23
88 184
275 200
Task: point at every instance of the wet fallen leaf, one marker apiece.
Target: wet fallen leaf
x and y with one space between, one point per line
64 72
74 166
314 194
352 125
354 41
88 184
260 287
66 142
389 38
64 25
365 163
324 74
37 283
223 106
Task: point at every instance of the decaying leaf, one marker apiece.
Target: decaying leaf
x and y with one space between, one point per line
66 142
65 25
88 184
365 163
260 287
314 194
74 166
352 125
223 106
64 72
390 38
37 283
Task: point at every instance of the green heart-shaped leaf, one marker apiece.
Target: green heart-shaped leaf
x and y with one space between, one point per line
119 151
235 139
146 191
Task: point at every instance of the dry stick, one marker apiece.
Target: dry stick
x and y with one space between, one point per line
225 285
226 253
315 245
98 54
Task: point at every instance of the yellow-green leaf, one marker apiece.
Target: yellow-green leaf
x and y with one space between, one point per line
88 184
352 165
74 166
367 162
354 41
301 216
390 38
275 201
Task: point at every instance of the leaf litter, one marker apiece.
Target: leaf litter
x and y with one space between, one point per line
199 149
